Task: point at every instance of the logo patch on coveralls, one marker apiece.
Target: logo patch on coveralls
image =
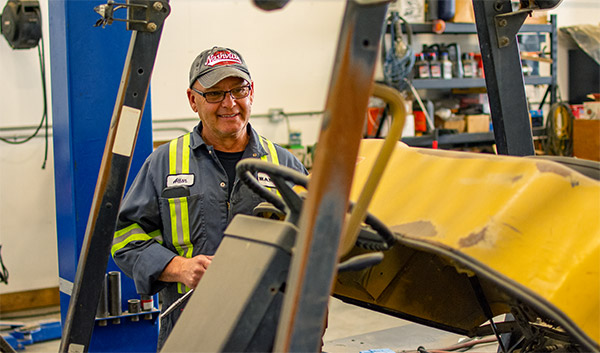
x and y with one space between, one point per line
264 180
180 179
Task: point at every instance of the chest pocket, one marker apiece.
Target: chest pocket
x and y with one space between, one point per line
184 232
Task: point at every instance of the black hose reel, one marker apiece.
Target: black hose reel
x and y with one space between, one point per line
21 23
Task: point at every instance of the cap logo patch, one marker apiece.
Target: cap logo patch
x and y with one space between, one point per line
223 57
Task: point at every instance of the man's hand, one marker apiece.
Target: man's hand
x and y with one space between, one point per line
186 271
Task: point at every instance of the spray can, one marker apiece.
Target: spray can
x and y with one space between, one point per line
421 66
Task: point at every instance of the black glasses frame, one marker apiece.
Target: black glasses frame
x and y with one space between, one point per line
223 94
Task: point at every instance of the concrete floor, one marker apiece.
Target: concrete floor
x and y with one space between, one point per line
350 329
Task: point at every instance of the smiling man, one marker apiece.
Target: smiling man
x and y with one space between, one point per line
173 217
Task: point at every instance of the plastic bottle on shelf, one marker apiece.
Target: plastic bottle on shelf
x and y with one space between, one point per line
446 65
469 65
435 66
421 66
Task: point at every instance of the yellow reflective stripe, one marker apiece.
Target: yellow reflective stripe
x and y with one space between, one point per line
173 156
273 153
182 288
156 235
132 233
266 157
270 157
179 155
180 230
179 163
185 154
176 225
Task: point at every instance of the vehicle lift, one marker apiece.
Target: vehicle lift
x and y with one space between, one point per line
276 309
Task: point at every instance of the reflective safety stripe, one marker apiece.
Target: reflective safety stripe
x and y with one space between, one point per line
271 155
178 208
132 233
179 155
179 163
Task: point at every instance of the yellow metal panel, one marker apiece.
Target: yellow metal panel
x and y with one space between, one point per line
533 221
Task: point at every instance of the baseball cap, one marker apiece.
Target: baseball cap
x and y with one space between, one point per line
213 65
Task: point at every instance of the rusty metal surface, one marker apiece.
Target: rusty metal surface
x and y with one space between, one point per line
313 264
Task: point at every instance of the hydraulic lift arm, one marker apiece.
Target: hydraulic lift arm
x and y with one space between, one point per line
313 266
145 19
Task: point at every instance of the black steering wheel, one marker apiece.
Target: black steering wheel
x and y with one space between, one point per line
380 238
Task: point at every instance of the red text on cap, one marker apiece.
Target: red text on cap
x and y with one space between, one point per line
222 57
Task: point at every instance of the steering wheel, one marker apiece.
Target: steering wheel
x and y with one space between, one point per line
380 238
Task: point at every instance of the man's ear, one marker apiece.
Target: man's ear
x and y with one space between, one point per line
252 92
192 100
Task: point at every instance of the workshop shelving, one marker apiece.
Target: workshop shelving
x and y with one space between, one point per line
472 82
461 139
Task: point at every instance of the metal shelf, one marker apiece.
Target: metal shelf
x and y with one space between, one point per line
471 82
461 139
470 28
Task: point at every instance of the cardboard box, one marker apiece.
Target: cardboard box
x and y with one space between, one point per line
457 123
463 11
591 110
537 17
478 123
586 139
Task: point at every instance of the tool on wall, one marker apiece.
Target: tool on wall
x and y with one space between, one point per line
21 24
22 29
269 5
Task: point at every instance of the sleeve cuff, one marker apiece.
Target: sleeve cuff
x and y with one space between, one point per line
148 268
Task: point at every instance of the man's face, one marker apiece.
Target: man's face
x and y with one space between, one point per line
226 119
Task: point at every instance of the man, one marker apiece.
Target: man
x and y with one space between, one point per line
173 217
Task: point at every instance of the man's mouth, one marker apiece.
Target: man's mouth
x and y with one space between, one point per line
228 116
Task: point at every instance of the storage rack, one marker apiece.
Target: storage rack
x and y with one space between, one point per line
471 139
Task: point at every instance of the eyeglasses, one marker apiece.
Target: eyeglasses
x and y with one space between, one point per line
219 96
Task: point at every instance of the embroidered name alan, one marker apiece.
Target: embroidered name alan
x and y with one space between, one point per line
263 179
223 58
180 179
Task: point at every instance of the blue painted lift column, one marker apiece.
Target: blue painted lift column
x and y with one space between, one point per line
86 68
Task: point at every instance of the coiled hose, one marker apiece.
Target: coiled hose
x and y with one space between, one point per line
399 59
559 131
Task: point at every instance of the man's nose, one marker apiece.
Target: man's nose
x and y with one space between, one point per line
228 101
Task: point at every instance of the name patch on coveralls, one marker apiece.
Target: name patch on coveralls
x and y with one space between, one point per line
180 179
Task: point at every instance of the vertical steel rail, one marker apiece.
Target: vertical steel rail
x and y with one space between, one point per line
110 186
497 28
314 262
554 56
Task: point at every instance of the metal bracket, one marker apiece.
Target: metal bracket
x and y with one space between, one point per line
508 25
143 15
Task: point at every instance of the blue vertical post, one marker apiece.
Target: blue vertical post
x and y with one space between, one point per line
86 68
